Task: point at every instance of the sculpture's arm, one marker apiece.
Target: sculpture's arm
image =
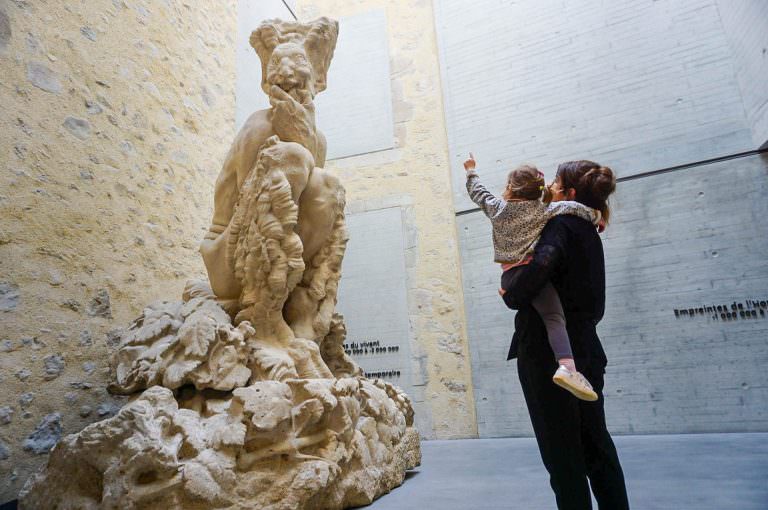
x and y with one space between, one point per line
294 121
224 197
239 161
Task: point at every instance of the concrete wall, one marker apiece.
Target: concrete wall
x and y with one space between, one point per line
679 240
685 240
116 116
746 27
415 170
636 85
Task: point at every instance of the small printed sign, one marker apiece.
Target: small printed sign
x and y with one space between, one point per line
737 310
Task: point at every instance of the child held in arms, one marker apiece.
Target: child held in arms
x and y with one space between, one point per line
517 219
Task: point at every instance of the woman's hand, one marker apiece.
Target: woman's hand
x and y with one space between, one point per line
469 165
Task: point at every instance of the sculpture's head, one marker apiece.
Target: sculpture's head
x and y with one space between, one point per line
289 68
295 56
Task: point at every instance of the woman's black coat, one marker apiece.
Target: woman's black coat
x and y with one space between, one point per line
570 255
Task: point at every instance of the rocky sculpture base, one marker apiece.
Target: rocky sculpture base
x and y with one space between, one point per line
303 444
202 433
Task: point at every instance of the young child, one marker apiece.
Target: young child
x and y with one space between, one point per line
517 220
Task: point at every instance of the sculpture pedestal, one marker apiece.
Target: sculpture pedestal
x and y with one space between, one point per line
304 444
210 437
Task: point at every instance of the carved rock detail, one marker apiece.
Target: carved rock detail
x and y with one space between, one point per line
304 444
173 344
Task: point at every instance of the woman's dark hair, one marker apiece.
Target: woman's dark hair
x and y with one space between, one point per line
593 184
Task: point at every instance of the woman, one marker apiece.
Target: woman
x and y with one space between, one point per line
572 436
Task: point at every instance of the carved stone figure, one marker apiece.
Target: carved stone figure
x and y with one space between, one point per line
244 397
294 62
277 237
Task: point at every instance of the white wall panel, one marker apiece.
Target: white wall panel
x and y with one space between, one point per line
355 112
373 297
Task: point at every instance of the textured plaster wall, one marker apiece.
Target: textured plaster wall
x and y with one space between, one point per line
417 167
116 116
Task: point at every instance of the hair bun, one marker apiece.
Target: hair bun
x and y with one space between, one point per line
600 180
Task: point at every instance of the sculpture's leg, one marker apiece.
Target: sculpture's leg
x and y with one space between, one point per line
309 363
220 275
332 350
321 228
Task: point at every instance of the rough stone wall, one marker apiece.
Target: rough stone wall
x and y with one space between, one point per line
116 117
418 168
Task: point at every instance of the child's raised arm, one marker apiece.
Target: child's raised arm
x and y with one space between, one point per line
484 199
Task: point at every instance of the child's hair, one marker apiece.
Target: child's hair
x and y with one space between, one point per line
526 182
593 184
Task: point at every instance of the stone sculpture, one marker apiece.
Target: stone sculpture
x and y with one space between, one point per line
243 396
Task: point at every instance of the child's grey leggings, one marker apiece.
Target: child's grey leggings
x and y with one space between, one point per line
547 303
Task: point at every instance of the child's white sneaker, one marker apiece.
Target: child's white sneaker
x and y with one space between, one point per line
575 383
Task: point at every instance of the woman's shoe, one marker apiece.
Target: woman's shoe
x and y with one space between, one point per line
575 383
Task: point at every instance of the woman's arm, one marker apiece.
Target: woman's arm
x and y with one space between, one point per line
484 199
549 254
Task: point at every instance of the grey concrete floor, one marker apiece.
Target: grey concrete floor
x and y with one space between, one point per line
663 472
